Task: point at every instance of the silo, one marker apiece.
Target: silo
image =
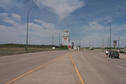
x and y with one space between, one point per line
65 38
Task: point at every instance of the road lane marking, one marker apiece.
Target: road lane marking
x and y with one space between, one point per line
32 70
77 71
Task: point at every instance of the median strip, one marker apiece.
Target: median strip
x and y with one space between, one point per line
77 71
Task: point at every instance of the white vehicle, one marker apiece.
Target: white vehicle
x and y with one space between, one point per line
53 48
106 52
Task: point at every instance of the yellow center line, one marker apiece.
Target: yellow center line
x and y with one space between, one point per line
32 70
77 71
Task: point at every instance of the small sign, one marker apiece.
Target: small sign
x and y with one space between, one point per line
115 43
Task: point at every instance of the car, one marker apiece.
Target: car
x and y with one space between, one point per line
114 54
106 52
91 48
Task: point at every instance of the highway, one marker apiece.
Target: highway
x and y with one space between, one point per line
95 68
15 65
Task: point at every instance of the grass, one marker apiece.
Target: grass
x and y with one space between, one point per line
11 49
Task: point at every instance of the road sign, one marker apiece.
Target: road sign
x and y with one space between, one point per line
115 43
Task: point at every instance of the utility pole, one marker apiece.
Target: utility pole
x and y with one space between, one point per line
118 42
110 36
27 31
26 48
59 38
103 44
52 39
79 43
89 44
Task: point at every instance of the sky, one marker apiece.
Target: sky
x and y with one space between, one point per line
88 21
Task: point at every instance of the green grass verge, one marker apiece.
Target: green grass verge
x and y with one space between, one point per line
11 49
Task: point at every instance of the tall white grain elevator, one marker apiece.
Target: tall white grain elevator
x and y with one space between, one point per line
66 38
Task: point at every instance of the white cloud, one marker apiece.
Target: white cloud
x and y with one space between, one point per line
16 17
38 34
45 24
96 33
9 21
95 26
3 14
12 4
108 19
6 3
61 7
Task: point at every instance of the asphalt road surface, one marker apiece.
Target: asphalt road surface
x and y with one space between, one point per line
95 68
15 65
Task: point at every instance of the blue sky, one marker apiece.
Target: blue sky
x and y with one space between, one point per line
87 20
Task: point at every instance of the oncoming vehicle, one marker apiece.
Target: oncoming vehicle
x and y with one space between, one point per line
113 54
106 52
91 48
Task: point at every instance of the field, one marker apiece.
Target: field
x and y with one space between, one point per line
11 49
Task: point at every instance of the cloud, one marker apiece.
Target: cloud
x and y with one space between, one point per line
95 26
13 19
45 24
96 33
40 32
61 7
107 19
6 3
13 4
3 14
9 21
16 17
